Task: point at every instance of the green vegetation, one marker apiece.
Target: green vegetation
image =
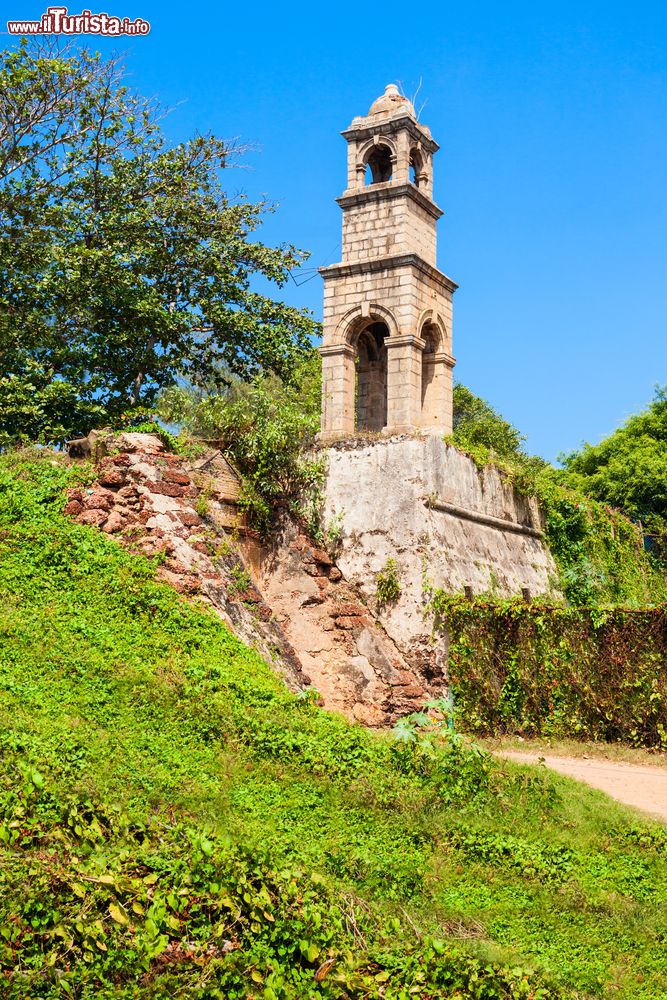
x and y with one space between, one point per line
629 468
593 669
174 823
240 581
125 266
598 549
264 426
387 583
557 672
477 425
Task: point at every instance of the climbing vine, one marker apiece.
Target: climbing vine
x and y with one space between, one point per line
557 671
599 552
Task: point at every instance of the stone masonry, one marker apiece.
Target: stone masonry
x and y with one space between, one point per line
444 522
387 346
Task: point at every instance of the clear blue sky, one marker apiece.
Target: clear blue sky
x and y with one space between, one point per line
552 172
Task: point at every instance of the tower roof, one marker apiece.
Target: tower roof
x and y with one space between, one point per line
391 102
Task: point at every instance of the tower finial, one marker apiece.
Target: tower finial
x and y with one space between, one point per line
391 101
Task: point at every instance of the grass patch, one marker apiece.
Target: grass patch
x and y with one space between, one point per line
174 823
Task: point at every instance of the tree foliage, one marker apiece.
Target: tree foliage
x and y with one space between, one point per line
629 468
124 266
477 424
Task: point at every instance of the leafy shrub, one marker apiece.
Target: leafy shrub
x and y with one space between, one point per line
265 427
477 425
388 587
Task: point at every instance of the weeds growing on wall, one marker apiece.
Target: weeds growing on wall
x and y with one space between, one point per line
555 671
598 551
388 586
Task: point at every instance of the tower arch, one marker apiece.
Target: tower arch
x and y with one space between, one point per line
366 330
436 368
371 377
354 319
377 160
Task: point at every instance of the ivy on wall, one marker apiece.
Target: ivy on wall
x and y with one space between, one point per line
599 552
557 671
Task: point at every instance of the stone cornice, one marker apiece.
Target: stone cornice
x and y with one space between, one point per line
387 191
405 340
333 350
488 519
366 128
388 263
441 358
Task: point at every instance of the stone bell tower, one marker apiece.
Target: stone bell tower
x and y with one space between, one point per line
387 347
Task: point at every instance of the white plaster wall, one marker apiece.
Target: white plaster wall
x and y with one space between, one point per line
379 493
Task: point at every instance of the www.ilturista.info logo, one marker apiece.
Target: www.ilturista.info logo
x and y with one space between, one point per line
56 21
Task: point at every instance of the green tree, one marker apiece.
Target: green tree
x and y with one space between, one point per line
124 267
628 469
477 424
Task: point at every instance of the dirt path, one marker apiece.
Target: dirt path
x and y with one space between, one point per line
642 787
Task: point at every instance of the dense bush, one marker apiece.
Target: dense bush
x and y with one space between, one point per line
264 426
478 425
598 550
629 468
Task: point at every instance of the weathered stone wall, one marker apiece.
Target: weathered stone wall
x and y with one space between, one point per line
147 499
385 220
348 657
426 505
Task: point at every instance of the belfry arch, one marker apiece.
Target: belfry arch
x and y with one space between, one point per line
371 377
379 165
386 361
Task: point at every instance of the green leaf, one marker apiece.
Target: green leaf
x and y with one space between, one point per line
118 913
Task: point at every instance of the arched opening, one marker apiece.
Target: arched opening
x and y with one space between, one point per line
371 378
378 165
430 336
417 173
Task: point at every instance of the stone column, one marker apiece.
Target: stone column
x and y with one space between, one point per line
436 392
404 362
402 167
337 391
355 177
